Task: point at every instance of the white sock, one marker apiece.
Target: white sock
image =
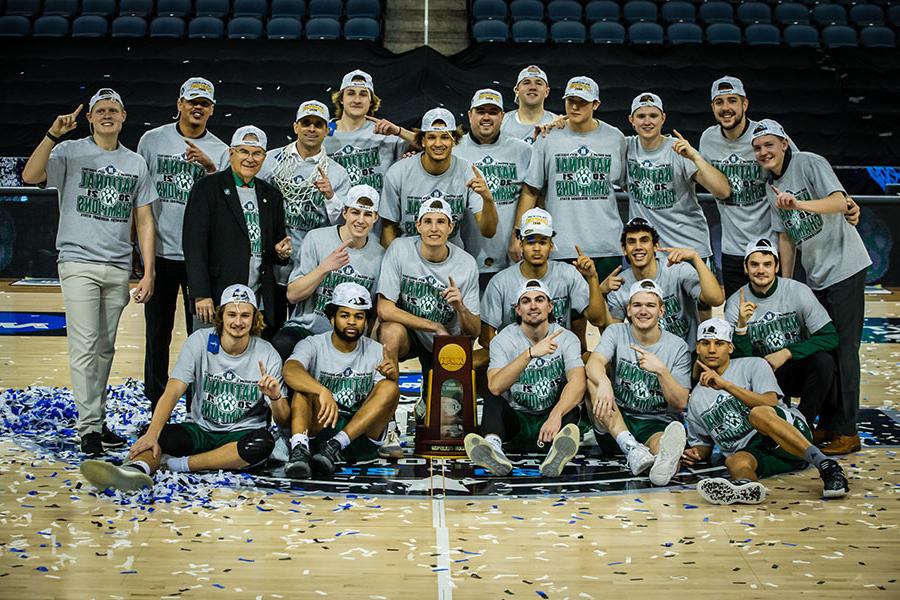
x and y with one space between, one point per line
626 441
494 440
300 438
141 465
342 439
178 464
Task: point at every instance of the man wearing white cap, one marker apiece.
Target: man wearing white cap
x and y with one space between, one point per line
345 389
362 143
531 89
735 406
237 388
639 379
578 165
234 231
503 161
662 173
808 204
536 383
102 185
177 155
328 257
435 174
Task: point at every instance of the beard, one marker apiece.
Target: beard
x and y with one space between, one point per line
347 337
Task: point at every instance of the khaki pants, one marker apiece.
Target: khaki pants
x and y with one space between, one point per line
95 296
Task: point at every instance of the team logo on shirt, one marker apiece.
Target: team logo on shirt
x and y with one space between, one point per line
421 296
650 184
175 177
502 179
540 384
799 224
773 331
254 232
727 421
637 391
227 397
106 194
349 388
745 178
361 165
582 175
674 320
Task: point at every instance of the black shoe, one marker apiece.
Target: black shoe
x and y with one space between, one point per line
297 466
111 439
835 483
91 444
328 456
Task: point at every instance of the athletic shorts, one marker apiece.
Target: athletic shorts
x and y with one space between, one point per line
188 439
361 449
772 459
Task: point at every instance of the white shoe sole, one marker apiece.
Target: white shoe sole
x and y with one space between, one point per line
564 448
718 490
390 452
483 454
671 447
107 475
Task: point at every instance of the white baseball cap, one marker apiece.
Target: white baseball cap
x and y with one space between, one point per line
198 87
487 96
435 205
351 295
105 94
760 245
313 108
727 85
646 99
357 78
536 221
362 191
768 127
644 285
438 114
582 87
242 132
532 71
238 293
714 329
534 285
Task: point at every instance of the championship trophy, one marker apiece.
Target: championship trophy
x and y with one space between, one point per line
449 401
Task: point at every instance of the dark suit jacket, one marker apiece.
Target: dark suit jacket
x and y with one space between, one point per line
216 242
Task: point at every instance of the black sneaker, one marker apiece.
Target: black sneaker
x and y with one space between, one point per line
297 466
111 439
91 444
328 456
835 483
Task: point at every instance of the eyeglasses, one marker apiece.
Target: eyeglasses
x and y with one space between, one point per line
245 153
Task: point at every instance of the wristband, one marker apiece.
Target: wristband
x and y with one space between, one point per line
52 137
741 330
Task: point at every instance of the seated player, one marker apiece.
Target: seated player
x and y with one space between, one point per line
639 404
237 387
781 321
345 389
684 278
735 405
536 382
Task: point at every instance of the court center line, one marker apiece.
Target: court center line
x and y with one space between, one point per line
442 536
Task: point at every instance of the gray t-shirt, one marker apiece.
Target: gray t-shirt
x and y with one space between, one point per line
98 192
349 376
365 155
715 416
173 177
503 165
250 206
540 385
407 185
226 394
569 291
415 284
512 127
789 315
662 191
832 249
745 214
579 170
363 268
681 285
638 392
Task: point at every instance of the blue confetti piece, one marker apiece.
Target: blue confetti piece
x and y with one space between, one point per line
706 519
246 559
440 569
42 569
541 594
614 563
690 506
127 572
218 585
519 518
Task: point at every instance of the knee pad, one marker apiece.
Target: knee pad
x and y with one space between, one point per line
255 447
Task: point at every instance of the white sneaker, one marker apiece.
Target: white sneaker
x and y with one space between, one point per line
484 454
391 447
107 475
671 447
564 447
639 459
718 490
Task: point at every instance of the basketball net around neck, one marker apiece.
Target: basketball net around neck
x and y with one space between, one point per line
296 192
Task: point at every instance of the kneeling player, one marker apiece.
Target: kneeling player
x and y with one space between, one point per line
237 384
735 405
536 382
346 389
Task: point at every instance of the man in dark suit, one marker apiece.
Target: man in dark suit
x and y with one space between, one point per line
234 230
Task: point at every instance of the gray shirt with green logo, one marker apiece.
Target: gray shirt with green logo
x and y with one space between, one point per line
98 192
250 206
540 385
638 392
578 171
365 155
349 376
503 165
226 394
173 177
512 127
415 284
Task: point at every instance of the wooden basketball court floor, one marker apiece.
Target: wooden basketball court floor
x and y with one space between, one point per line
60 539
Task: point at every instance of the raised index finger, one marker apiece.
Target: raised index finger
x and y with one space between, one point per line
262 369
321 172
578 250
555 333
190 144
77 111
637 349
344 245
678 135
372 119
702 366
777 191
452 283
477 172
742 295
